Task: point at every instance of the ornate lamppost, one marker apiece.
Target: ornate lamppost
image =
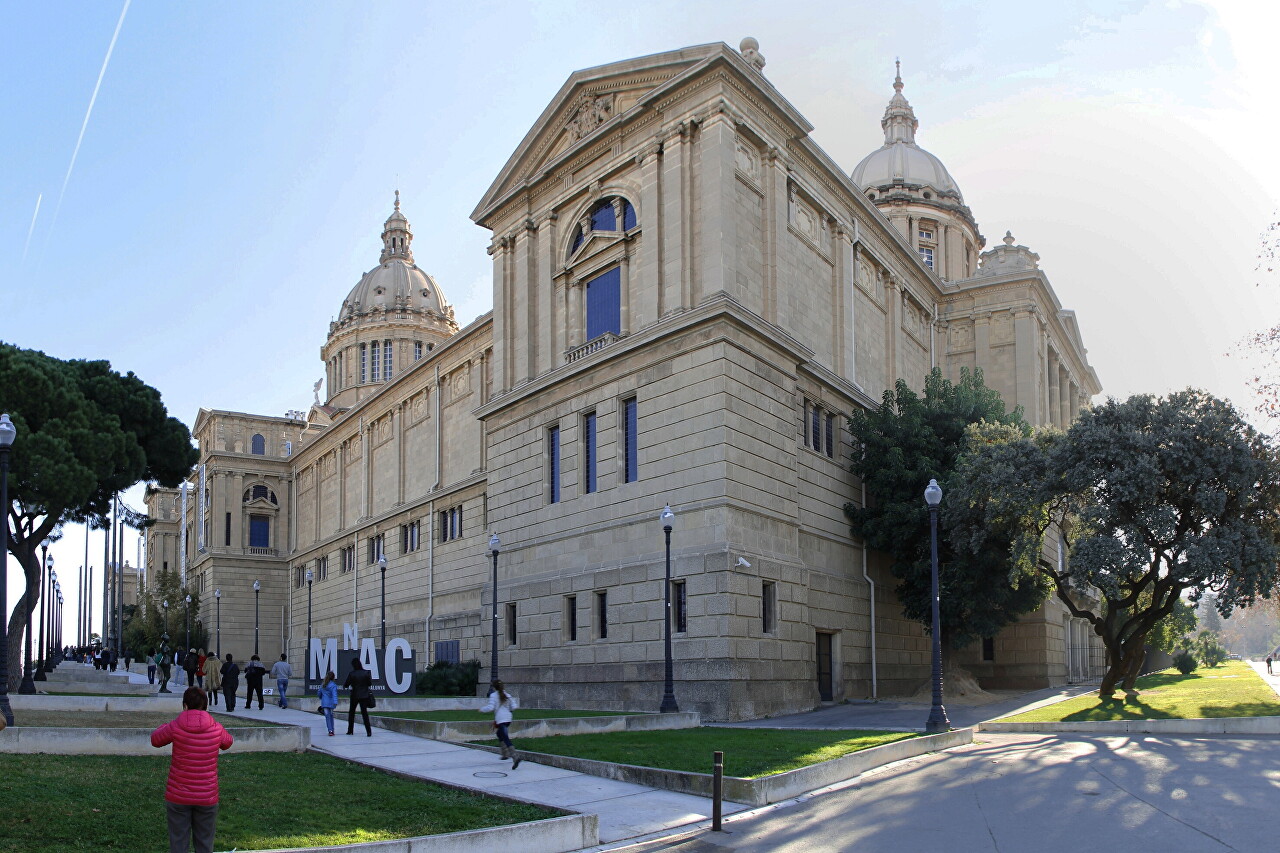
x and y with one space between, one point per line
58 633
306 655
669 705
938 721
8 432
494 545
257 588
187 615
217 597
28 686
46 627
382 566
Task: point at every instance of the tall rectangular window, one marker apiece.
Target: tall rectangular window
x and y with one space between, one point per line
589 451
511 624
815 433
228 534
374 360
988 648
602 615
571 617
450 523
831 436
927 254
259 531
553 464
679 608
768 607
364 359
631 457
804 422
417 350
322 568
604 304
387 360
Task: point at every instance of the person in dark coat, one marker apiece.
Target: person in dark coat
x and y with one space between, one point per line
190 664
254 672
359 681
230 682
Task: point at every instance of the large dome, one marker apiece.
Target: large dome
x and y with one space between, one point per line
396 284
900 159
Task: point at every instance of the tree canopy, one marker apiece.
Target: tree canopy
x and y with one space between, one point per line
1153 497
85 432
904 443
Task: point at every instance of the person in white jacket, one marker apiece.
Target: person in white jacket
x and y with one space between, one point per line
503 704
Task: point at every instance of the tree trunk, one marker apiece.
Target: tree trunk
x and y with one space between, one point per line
18 624
1134 669
1124 667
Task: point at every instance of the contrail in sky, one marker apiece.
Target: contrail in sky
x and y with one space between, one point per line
32 228
87 113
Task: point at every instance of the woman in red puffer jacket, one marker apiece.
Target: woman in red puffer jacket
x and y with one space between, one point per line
191 797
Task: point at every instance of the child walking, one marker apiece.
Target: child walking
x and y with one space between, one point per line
503 704
329 699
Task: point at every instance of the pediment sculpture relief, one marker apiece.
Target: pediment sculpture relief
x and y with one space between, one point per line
590 112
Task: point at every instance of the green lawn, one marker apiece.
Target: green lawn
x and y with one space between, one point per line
56 803
117 719
748 753
475 716
1230 690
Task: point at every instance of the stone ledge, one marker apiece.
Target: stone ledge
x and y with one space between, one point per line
461 732
1205 726
56 741
553 835
769 789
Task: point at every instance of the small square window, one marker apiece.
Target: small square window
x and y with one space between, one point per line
925 234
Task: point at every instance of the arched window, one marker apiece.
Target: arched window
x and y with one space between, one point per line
258 445
604 219
259 492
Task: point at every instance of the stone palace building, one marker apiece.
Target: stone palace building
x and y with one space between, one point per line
689 297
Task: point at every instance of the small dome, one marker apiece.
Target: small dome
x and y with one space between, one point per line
900 159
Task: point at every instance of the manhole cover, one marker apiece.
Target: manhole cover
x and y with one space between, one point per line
489 774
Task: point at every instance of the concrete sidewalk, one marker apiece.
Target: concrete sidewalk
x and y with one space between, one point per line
624 810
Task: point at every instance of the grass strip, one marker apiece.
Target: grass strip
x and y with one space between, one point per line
57 803
748 753
1230 690
463 716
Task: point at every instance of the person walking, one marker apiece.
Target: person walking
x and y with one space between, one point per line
503 706
230 682
329 699
213 680
165 661
190 664
151 666
282 672
201 658
359 680
128 659
191 794
1269 659
254 672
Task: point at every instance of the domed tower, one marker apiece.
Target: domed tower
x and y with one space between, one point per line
393 317
918 195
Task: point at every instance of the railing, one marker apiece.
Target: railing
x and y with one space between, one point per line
593 345
263 552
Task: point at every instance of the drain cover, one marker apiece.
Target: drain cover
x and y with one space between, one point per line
489 774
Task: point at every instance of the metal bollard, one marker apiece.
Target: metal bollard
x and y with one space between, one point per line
717 791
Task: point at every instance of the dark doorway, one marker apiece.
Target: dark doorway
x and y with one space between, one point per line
824 667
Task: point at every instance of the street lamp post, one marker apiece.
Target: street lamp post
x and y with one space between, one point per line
58 633
382 565
217 597
187 612
164 649
669 705
28 686
257 588
8 432
494 545
306 654
938 721
46 646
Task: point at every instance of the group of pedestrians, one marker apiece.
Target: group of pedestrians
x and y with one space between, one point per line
228 679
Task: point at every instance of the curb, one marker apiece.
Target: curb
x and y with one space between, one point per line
1206 726
50 741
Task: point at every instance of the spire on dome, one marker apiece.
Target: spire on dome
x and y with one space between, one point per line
396 236
899 120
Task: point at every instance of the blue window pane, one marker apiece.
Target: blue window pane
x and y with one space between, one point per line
603 217
604 304
258 445
589 430
629 441
259 531
628 216
578 239
553 440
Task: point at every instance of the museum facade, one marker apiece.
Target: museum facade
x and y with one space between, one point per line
689 298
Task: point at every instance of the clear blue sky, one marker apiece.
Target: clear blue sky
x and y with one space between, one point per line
240 158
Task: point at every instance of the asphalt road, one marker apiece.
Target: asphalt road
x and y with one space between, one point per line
1041 793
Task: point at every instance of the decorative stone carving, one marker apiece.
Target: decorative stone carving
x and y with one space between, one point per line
748 162
589 112
750 50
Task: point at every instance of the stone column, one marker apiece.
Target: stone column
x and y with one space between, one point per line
647 288
1064 395
1026 361
716 184
1053 414
237 514
675 221
847 267
777 210
982 345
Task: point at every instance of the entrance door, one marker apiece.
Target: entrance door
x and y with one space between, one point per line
824 667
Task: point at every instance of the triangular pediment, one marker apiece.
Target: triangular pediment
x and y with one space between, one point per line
589 100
